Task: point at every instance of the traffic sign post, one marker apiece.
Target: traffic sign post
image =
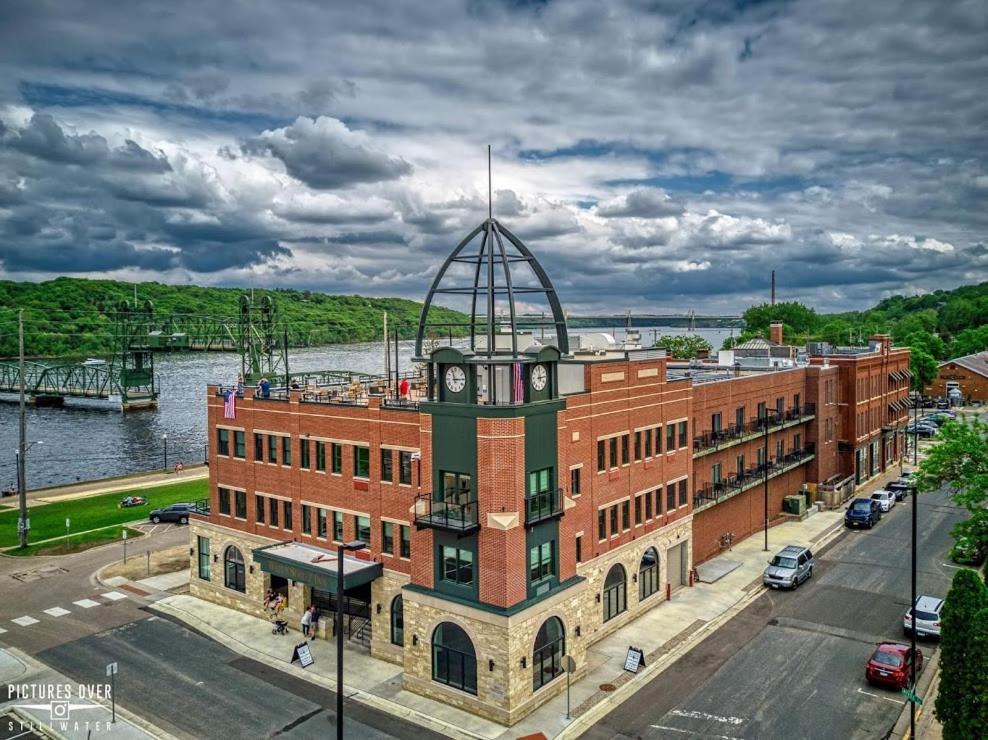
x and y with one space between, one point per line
911 696
111 671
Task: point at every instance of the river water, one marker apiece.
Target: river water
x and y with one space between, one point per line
86 440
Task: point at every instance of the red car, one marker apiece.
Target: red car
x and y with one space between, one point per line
889 665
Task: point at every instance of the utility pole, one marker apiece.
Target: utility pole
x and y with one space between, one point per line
22 440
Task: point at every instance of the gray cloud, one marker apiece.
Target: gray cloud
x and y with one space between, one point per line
326 155
656 155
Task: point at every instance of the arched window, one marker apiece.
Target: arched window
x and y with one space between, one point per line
648 574
547 657
398 621
615 592
454 661
233 569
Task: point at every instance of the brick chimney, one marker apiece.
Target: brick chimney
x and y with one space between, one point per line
775 332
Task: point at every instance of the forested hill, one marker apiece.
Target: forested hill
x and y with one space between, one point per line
937 326
73 316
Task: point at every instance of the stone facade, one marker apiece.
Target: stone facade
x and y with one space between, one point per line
383 593
501 643
629 556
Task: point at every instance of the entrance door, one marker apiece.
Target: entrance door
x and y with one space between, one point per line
279 585
356 606
676 565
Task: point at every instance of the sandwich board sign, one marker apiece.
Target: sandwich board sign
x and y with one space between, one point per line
302 655
635 659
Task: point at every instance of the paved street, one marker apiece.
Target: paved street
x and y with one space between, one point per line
54 610
792 664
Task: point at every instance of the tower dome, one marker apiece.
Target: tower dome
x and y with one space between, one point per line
491 275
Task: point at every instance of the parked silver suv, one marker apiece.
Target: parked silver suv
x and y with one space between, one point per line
792 566
927 612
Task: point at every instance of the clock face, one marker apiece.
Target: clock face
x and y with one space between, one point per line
539 377
456 379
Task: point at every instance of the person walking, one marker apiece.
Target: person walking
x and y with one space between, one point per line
313 621
306 621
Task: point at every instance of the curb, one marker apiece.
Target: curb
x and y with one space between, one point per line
901 727
583 723
375 702
122 712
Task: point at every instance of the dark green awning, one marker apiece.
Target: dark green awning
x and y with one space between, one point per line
314 566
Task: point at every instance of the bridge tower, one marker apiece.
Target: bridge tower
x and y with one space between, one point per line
133 361
262 340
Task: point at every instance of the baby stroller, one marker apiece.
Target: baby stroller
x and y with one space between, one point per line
280 627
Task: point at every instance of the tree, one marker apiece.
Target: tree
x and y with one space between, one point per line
962 685
960 461
930 343
969 341
800 318
683 346
923 366
920 321
978 655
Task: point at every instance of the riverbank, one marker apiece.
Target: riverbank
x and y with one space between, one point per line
128 482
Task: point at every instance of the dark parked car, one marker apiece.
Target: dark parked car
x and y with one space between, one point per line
862 512
890 663
923 430
901 488
174 513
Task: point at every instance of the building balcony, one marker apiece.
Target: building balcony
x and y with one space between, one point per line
711 493
719 439
460 517
201 508
543 506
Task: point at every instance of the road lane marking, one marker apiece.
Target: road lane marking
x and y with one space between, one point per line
879 696
692 714
2 630
25 621
114 595
691 732
948 565
57 611
86 603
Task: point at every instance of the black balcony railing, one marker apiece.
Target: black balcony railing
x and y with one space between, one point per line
752 476
543 506
737 433
201 507
452 515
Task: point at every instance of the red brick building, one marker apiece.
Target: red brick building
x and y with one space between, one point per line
525 502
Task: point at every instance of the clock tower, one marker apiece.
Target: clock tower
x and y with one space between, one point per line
492 519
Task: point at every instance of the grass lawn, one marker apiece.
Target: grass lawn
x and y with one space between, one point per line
77 542
48 520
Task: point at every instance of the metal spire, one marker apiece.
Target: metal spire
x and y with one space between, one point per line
490 202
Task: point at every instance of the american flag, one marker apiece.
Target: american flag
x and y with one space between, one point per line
230 404
518 390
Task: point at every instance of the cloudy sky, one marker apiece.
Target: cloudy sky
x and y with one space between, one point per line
656 156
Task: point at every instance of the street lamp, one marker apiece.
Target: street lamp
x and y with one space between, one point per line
164 438
765 480
340 549
20 455
912 603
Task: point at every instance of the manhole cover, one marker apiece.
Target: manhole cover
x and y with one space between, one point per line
607 687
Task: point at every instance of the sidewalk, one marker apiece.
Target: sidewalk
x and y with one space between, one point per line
664 633
85 718
111 485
